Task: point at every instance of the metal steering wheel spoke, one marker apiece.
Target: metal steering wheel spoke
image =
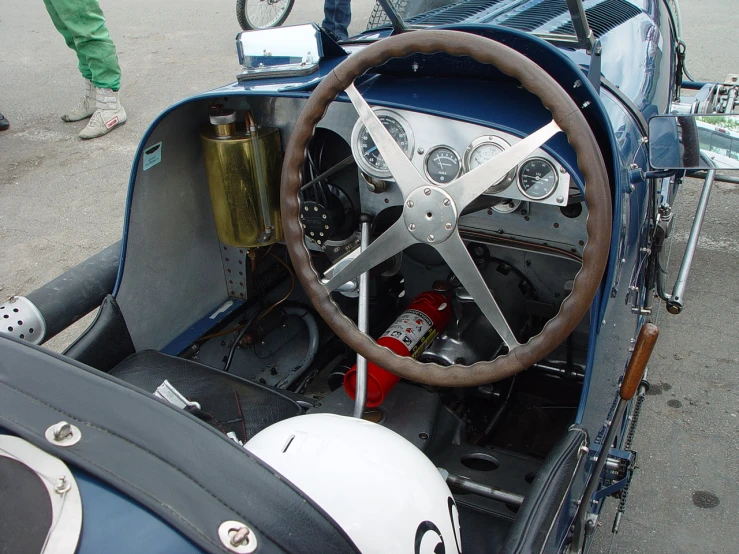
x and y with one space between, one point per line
401 168
455 254
471 185
394 240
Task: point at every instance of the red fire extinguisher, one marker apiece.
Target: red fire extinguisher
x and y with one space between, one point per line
413 331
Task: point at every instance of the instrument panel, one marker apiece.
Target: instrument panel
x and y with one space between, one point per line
443 149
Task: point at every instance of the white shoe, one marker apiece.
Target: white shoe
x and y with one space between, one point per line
85 107
108 115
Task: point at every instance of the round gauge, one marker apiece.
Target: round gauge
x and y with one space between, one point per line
365 150
442 165
537 179
486 148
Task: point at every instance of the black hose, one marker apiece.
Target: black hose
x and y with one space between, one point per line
235 344
78 291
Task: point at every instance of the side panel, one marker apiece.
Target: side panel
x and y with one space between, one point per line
618 322
173 274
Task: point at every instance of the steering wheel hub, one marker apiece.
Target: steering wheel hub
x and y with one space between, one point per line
430 214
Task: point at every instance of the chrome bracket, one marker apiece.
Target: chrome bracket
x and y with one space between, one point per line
167 391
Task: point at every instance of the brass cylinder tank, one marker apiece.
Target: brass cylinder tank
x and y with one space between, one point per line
243 165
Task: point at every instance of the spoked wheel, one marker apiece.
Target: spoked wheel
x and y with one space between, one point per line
262 14
431 212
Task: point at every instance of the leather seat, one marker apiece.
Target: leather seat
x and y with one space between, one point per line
228 402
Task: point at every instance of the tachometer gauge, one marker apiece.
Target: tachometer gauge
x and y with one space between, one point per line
486 148
537 179
442 165
365 150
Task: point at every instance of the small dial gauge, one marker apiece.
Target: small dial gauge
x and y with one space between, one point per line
537 179
366 152
442 165
484 149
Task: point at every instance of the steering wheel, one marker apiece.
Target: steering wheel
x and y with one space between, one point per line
431 213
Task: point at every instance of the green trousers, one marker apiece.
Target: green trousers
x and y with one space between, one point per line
82 24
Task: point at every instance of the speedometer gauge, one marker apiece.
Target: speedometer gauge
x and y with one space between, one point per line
365 150
537 179
486 148
442 165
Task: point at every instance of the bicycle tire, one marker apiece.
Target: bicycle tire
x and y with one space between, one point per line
248 25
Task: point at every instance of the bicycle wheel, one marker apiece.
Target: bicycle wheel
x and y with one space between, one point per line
262 14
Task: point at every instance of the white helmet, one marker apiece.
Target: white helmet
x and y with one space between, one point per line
383 491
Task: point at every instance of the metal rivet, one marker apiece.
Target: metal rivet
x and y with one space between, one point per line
410 203
448 226
63 434
447 201
240 537
560 199
62 486
420 151
62 430
430 238
562 169
237 537
412 227
427 191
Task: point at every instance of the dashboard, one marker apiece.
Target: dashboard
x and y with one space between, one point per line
442 150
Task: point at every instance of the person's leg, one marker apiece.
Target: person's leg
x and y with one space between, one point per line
86 105
337 16
4 123
84 21
68 38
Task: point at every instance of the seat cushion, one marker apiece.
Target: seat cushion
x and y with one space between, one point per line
229 403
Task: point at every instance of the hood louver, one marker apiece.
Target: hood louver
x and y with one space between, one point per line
536 16
604 17
470 11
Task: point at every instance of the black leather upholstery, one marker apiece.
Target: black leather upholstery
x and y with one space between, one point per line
229 403
530 529
170 462
106 342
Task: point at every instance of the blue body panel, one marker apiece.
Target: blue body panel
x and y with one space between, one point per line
105 512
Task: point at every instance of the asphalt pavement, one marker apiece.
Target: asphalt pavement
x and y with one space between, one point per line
62 200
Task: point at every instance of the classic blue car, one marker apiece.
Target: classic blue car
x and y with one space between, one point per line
388 295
